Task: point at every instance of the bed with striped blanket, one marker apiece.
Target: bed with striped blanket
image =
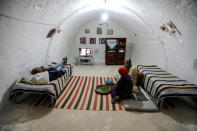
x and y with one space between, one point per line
53 89
161 84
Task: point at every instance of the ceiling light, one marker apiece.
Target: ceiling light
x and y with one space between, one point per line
104 16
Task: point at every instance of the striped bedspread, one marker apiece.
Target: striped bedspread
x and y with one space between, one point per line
159 83
53 89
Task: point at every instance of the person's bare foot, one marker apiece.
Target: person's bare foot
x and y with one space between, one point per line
135 89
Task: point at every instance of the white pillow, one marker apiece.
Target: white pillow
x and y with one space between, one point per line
39 78
27 79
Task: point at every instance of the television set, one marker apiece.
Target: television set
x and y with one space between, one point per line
111 44
85 52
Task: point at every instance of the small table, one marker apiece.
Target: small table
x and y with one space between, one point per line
89 60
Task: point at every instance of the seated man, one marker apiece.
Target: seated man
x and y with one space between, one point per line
134 74
123 90
127 64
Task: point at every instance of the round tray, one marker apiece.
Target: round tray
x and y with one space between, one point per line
103 89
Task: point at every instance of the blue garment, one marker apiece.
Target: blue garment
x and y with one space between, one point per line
56 71
57 67
53 75
109 82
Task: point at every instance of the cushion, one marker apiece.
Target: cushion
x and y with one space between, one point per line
39 78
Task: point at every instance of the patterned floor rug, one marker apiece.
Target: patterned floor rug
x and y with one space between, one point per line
80 94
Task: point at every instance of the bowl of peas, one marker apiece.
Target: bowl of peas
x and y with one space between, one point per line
103 89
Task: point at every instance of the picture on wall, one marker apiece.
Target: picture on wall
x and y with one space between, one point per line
87 31
92 40
109 31
101 40
83 40
99 30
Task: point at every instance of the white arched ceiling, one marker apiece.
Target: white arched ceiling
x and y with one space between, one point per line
25 23
128 19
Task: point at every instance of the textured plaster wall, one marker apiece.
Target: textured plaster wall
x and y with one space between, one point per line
22 48
25 23
23 42
180 51
177 54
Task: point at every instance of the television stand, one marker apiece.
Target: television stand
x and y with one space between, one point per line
86 60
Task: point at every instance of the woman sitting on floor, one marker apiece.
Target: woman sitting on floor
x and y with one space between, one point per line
123 90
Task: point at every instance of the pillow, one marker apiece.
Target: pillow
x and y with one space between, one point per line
39 78
27 79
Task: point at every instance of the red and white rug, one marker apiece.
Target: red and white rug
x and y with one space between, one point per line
80 94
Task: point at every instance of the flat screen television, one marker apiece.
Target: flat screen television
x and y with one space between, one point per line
85 52
111 44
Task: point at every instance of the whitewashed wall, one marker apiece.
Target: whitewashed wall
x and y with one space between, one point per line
22 48
179 51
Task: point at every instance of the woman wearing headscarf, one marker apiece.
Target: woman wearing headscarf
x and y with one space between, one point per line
123 90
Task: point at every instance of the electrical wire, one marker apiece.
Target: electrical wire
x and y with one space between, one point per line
28 21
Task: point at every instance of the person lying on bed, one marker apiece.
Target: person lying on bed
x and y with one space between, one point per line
57 70
54 71
123 90
59 66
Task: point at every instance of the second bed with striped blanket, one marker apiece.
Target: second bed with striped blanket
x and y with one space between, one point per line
159 83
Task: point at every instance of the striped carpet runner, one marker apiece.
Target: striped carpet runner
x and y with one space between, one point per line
80 94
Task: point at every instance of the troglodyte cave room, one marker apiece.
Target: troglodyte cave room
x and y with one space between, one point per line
98 65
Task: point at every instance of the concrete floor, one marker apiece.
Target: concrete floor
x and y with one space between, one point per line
22 117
